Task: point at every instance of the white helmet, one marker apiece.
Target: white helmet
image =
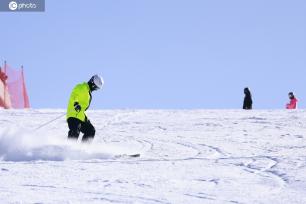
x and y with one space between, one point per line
96 82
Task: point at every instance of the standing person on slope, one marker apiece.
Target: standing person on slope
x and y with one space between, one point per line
247 102
293 101
79 102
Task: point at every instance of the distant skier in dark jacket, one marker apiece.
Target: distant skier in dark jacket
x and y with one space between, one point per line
79 102
247 103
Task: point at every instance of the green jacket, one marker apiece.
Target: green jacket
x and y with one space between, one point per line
81 94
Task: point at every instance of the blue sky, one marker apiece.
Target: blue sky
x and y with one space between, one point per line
161 54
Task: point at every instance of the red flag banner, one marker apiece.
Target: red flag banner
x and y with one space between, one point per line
13 89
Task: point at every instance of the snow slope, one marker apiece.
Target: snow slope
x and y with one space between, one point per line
187 156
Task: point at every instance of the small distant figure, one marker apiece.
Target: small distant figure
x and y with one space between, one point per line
293 101
247 103
3 76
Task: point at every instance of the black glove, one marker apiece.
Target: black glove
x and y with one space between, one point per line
77 107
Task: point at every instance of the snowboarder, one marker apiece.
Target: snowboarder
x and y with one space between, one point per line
79 102
293 101
247 103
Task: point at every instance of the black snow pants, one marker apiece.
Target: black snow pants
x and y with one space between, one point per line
76 126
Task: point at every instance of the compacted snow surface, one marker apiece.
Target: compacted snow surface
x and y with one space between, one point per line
187 156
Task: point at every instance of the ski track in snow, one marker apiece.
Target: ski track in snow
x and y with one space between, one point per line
187 156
